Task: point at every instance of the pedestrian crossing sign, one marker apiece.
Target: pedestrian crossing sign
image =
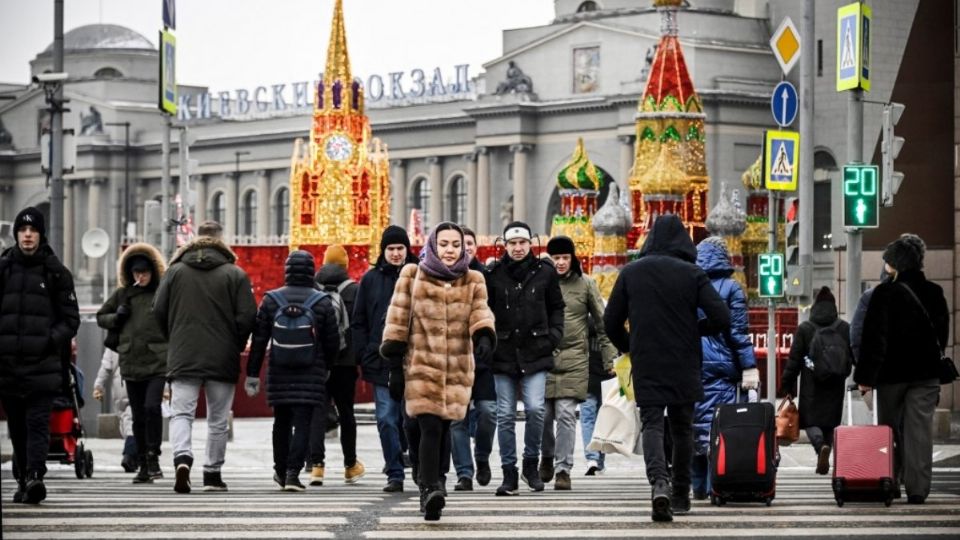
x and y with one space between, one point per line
781 154
853 47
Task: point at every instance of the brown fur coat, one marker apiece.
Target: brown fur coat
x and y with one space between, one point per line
439 364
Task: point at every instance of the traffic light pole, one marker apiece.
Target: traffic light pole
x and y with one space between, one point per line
854 236
805 210
771 307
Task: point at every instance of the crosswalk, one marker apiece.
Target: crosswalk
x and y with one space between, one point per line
615 505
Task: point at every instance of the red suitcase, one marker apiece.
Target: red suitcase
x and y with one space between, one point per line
863 460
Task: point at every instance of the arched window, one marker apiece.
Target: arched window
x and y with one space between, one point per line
108 73
248 213
218 208
589 5
281 211
421 199
458 200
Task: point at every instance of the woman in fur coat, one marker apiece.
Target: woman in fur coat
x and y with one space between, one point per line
438 323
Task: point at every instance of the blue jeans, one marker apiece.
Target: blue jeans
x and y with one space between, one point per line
480 423
700 474
533 387
388 425
588 419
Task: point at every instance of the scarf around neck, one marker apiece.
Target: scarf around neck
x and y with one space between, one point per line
434 267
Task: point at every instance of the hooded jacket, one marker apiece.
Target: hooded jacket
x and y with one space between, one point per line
727 354
328 279
821 401
287 386
205 308
660 294
38 318
369 316
143 348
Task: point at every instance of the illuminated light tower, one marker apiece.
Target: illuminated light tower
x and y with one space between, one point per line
611 224
729 222
579 183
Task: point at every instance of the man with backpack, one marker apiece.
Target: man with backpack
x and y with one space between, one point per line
332 279
38 319
299 324
822 358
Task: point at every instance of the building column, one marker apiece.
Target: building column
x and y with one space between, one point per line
94 187
140 197
5 189
263 205
200 208
436 193
483 191
626 161
399 206
471 160
230 227
520 180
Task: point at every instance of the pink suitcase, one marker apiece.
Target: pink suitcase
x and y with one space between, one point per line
863 461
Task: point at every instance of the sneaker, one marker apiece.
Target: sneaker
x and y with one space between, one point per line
34 490
292 482
531 475
546 469
509 485
592 468
213 482
181 483
393 486
316 475
563 481
823 460
680 501
483 472
353 473
278 480
153 466
660 502
433 504
464 484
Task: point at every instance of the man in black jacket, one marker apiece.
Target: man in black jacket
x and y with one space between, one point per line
524 294
660 294
366 323
38 319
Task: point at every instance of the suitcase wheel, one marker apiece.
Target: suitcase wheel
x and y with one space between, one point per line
717 501
768 501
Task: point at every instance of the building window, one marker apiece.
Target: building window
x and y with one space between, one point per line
819 58
218 210
107 73
587 6
281 211
248 213
421 199
458 199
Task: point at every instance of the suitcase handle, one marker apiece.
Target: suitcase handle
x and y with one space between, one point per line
853 388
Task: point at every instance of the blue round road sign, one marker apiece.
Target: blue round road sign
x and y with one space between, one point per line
784 104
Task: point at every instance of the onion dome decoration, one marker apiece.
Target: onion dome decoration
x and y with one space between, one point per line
581 173
579 183
724 219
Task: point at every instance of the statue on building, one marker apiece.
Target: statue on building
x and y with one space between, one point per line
506 211
517 82
91 124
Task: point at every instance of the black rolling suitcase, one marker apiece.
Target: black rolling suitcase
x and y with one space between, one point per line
743 448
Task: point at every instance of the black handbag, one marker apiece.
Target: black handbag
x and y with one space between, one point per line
112 340
946 369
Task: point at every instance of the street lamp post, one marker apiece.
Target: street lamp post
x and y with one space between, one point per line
126 173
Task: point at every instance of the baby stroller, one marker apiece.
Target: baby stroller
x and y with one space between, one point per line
66 430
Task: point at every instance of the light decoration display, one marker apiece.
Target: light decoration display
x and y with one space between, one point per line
579 183
727 221
339 180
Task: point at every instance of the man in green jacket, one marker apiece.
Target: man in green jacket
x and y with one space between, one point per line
567 382
206 309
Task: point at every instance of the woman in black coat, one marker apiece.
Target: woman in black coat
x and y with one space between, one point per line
821 398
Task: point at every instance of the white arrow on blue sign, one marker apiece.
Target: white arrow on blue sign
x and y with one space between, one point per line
784 104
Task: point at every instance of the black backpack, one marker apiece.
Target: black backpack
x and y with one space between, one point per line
830 352
292 339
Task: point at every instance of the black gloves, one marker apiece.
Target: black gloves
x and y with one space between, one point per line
123 313
483 350
396 383
391 349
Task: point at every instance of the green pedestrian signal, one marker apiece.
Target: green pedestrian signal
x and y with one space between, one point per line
770 275
861 196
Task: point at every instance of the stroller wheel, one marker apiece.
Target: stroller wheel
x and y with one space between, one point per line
79 457
88 463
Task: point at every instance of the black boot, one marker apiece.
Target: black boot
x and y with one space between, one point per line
433 502
509 485
483 472
153 465
143 474
531 475
21 492
680 500
661 501
423 499
34 490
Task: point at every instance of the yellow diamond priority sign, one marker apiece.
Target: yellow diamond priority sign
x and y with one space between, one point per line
786 45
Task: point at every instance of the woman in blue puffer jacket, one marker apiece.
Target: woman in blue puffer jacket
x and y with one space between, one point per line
727 357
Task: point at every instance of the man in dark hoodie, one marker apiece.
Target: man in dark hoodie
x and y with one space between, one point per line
332 278
206 310
38 319
659 295
366 323
524 294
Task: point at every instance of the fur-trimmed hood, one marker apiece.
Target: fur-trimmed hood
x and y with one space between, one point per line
204 252
125 276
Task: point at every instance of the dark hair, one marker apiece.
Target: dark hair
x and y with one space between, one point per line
448 226
210 228
467 231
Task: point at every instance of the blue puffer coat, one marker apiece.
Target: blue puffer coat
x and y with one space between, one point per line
727 354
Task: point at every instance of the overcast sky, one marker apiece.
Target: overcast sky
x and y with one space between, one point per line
229 44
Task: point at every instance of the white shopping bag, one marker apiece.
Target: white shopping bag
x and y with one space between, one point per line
618 424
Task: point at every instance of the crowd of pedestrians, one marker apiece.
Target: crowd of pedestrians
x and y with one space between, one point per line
450 346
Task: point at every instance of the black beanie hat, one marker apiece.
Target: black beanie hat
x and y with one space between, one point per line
561 245
904 253
139 263
394 235
824 295
30 216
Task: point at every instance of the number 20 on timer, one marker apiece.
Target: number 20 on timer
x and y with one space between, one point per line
770 274
861 196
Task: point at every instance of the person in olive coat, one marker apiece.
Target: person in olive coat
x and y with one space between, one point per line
142 350
660 294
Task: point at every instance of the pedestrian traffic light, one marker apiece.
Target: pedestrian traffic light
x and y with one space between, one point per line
770 275
890 149
793 280
861 196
